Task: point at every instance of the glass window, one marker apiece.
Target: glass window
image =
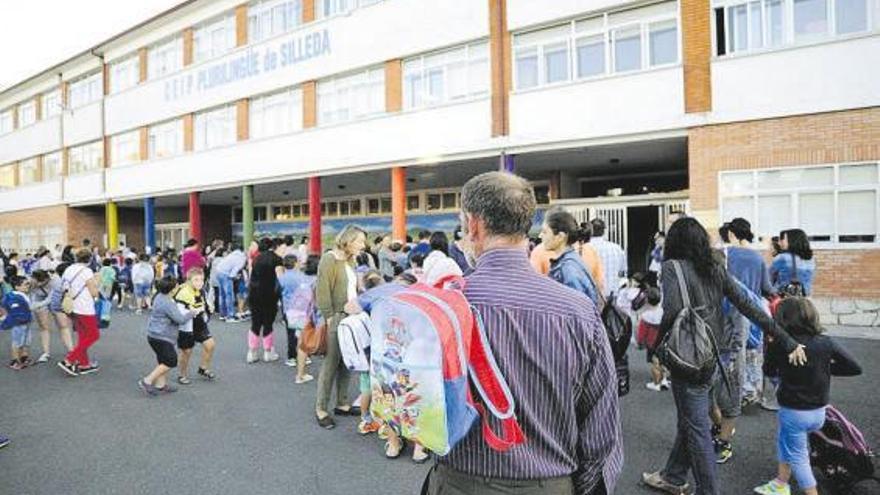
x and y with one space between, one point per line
542 195
627 49
236 215
556 62
355 207
326 8
86 158
737 207
27 113
351 97
344 210
386 205
738 28
858 175
810 18
450 201
774 213
775 22
281 212
663 37
260 213
591 56
165 139
796 177
275 114
5 122
51 103
850 16
450 75
434 202
125 148
28 171
756 25
413 202
124 74
736 182
214 38
373 206
526 67
816 213
268 18
86 90
215 128
165 58
7 177
857 214
51 166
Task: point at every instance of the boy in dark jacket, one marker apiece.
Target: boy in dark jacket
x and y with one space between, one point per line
16 311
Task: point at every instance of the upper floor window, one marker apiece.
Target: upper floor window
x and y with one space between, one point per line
268 18
51 103
165 139
27 113
86 90
215 128
447 76
7 176
125 148
165 57
86 157
124 74
275 114
28 171
326 8
214 38
351 97
6 122
748 25
51 166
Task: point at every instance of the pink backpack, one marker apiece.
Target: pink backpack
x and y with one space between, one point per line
427 347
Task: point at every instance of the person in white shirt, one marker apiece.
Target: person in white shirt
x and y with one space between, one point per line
142 276
82 286
613 258
227 270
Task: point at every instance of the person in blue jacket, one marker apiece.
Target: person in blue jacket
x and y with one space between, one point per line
558 234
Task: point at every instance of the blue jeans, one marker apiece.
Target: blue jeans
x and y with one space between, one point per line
693 448
793 444
227 295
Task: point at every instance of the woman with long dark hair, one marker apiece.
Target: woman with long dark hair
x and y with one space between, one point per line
707 283
263 301
795 260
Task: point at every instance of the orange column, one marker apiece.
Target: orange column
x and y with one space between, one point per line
310 104
499 55
308 11
188 132
241 25
38 105
398 203
188 46
697 53
144 141
393 85
242 119
105 75
142 64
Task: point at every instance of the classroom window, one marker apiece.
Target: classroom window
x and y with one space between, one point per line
268 18
451 75
260 213
86 90
6 122
27 114
28 171
214 38
124 74
7 177
663 41
590 55
51 103
51 166
165 139
86 158
413 202
275 114
215 128
125 148
165 58
281 213
627 51
351 97
850 16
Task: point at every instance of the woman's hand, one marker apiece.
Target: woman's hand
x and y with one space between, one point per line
352 307
798 357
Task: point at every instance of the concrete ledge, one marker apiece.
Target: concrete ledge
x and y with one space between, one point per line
853 332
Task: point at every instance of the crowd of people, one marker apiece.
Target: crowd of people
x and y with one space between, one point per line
528 291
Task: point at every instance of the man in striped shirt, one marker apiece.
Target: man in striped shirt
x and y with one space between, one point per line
613 257
550 345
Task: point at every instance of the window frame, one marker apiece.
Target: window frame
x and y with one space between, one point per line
33 163
47 109
347 84
173 46
257 8
163 127
94 83
44 166
257 109
129 67
204 32
115 152
421 97
95 151
31 107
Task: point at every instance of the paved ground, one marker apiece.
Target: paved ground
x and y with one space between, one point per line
253 430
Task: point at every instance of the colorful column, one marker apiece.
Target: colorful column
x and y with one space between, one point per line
247 215
150 224
195 217
505 163
398 203
315 215
112 220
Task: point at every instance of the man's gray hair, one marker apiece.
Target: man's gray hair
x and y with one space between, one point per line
505 203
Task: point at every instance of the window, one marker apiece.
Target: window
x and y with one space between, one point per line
442 201
28 171
165 139
810 18
125 148
452 75
281 212
541 57
260 213
28 239
275 114
590 56
27 113
326 8
6 122
52 236
7 177
214 38
51 166
835 203
850 16
86 157
268 18
236 215
215 128
165 57
124 74
663 42
86 90
51 103
413 202
351 97
542 195
627 51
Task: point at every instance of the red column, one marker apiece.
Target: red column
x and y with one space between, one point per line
315 215
398 203
195 217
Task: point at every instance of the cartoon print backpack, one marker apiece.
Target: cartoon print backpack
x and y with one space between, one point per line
427 348
301 306
354 334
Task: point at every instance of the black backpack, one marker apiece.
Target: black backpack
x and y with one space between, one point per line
793 288
689 349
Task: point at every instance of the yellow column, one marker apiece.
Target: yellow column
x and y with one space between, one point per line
112 225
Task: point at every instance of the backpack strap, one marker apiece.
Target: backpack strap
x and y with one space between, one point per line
794 273
682 286
494 391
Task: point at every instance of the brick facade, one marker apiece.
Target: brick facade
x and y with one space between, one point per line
696 55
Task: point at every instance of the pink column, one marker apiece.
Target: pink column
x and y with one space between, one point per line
315 215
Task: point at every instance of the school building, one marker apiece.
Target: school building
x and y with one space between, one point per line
229 119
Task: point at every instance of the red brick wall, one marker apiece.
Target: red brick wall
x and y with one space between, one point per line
847 273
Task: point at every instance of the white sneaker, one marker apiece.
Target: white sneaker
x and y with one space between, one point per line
305 379
290 362
44 358
270 355
308 360
252 357
653 386
664 385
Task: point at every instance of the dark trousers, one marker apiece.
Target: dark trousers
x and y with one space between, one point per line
445 481
291 343
693 439
263 313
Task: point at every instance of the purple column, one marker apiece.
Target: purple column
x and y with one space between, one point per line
505 163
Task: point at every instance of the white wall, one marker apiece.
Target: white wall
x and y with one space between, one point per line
643 102
84 188
399 139
83 124
44 136
821 78
524 13
368 36
31 196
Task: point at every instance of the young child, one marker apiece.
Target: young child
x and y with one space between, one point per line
803 392
16 312
107 277
242 295
191 296
642 300
298 302
126 288
162 332
142 277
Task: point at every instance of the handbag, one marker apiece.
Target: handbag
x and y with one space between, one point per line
793 288
313 340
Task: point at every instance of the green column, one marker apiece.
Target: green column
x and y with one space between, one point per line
247 215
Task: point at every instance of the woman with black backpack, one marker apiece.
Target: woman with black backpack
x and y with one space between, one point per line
694 283
791 271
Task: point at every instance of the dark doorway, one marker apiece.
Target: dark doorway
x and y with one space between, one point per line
641 224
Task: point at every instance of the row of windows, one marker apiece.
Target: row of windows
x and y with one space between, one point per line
50 105
28 240
83 158
749 25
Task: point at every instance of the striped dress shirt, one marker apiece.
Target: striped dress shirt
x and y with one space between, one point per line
614 263
551 347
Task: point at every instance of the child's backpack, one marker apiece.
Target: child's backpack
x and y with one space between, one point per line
427 347
839 452
298 310
354 333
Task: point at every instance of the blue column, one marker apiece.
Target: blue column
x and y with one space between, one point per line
150 224
505 163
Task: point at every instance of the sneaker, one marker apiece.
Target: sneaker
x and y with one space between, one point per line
44 358
750 399
26 361
367 427
304 379
290 362
167 389
665 385
723 451
653 386
252 357
773 487
383 432
139 312
70 369
15 364
716 430
87 370
147 388
234 319
656 481
3 441
270 356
